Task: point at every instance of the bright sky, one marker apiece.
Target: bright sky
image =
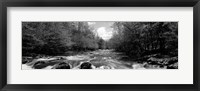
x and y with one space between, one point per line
103 29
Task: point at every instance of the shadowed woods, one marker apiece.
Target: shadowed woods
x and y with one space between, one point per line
88 45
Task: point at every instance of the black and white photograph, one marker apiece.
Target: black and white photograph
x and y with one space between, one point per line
99 45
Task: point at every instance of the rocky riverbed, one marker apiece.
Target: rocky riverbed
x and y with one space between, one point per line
99 59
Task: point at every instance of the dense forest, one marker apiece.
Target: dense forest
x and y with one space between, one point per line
137 40
54 38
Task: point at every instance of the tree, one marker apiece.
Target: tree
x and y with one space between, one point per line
57 37
137 39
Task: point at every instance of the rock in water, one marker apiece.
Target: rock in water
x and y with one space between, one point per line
62 65
104 67
170 67
26 60
86 65
39 65
173 66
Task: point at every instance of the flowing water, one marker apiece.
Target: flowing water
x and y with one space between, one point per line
100 59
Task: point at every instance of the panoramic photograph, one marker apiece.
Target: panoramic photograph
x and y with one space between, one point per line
99 45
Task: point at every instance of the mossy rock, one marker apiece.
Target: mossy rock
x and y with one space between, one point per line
39 65
62 65
86 65
26 60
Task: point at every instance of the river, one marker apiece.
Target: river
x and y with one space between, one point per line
100 59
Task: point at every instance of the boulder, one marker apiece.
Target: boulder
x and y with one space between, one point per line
173 66
26 60
39 65
62 65
104 67
86 65
170 67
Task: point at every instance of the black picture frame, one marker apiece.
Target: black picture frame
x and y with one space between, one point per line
99 3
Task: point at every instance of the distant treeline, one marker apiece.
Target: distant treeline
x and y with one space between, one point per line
144 38
54 38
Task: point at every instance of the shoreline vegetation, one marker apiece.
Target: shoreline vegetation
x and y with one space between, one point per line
77 45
